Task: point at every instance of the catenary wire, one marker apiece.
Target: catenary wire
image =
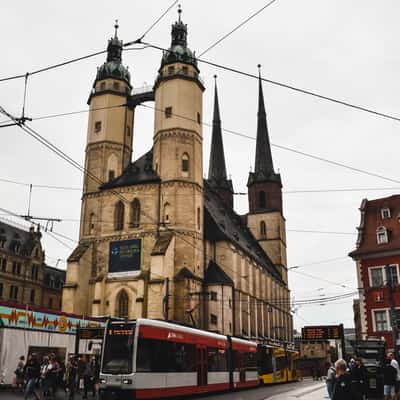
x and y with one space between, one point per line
248 19
287 86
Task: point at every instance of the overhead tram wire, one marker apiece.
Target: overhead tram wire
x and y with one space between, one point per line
285 85
286 148
237 27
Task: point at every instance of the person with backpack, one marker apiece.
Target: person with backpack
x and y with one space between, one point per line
389 380
330 379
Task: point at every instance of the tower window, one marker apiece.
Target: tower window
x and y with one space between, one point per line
119 216
91 223
166 213
128 131
213 296
261 199
198 118
102 86
97 126
168 112
135 210
213 319
185 70
185 163
263 229
116 85
171 70
123 305
111 174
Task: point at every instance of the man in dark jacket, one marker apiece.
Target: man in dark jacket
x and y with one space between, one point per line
342 388
389 380
359 379
32 374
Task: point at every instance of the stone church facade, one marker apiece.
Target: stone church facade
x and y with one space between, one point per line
157 240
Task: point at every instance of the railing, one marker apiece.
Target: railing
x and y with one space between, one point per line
142 89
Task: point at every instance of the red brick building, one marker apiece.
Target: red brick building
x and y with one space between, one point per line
377 257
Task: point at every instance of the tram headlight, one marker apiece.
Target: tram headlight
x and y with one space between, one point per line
102 380
127 381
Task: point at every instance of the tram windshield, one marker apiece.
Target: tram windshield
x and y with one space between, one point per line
118 349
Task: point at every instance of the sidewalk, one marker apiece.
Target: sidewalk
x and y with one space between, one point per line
313 392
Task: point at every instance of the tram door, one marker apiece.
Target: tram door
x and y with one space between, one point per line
201 366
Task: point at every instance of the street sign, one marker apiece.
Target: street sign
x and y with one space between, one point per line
323 332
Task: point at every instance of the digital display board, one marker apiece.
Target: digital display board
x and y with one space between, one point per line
324 332
91 333
125 256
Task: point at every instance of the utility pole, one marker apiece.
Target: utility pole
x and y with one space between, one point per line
393 321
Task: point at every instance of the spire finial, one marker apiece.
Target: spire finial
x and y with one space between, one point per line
179 13
259 70
116 26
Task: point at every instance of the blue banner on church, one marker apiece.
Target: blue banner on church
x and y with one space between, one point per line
125 256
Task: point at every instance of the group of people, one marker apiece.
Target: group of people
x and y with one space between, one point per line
350 381
43 379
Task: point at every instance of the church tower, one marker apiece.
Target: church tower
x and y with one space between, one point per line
110 128
178 161
265 218
217 170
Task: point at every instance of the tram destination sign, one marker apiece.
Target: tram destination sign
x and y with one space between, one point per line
323 332
125 256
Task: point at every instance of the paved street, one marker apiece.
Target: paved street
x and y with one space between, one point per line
307 390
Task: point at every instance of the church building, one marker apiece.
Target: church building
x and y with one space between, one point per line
159 241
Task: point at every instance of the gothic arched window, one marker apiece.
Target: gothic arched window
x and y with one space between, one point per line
261 199
167 211
92 218
135 213
119 216
185 164
263 229
122 304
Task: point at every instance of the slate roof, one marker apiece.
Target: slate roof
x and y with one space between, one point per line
140 171
216 275
13 236
222 223
161 244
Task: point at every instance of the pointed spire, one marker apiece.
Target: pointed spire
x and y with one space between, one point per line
116 26
179 13
217 168
264 163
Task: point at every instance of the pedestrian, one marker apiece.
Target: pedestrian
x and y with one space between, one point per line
32 374
342 386
95 367
389 380
53 372
19 374
359 379
87 378
330 379
395 365
71 376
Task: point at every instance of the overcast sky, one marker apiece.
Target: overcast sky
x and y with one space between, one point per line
345 49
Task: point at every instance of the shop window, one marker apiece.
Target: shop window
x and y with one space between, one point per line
119 216
135 213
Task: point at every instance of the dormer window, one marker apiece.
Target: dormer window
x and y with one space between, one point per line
382 235
385 213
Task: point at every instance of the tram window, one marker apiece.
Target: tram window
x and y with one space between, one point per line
162 356
236 360
266 366
118 350
217 359
250 361
281 363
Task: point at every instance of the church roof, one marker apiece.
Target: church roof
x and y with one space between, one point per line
140 171
216 275
222 224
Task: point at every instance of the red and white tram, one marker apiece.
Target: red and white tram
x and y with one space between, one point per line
147 359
